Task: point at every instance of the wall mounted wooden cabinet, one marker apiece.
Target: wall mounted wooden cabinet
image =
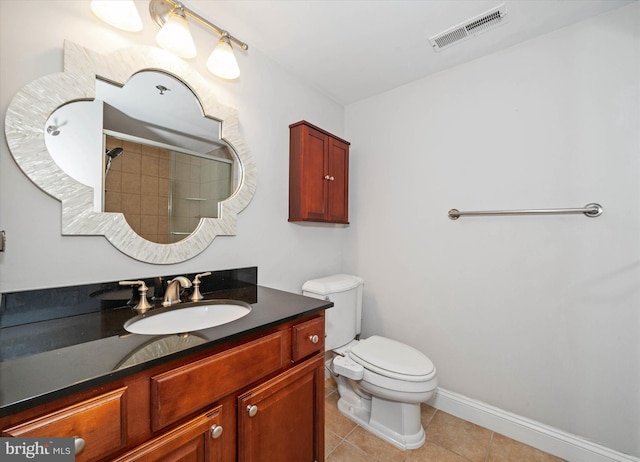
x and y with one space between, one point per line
318 175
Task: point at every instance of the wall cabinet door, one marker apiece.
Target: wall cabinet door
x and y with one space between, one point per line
282 420
338 182
318 175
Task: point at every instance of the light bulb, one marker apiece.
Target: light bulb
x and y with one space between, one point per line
175 36
118 13
222 62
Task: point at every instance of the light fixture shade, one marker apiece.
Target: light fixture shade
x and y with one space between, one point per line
176 37
222 62
118 13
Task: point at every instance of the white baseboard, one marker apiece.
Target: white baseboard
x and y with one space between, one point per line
548 439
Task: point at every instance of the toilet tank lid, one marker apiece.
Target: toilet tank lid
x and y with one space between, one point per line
332 284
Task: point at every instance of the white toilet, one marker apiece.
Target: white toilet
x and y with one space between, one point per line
381 382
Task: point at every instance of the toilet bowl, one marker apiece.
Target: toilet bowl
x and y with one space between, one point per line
381 382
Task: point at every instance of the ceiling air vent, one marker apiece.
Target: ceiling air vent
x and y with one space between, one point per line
470 28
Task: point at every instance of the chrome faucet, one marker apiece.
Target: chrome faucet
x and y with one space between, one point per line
172 292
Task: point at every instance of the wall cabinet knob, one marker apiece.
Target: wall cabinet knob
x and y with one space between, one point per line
252 410
327 177
79 444
216 431
313 338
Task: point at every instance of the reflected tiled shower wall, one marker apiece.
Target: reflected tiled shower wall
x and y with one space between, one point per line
198 186
138 186
163 194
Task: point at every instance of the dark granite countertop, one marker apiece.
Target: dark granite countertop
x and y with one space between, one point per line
36 367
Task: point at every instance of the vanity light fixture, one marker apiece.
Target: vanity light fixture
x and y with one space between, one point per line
165 13
175 36
118 13
222 62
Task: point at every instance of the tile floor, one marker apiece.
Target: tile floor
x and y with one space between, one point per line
449 439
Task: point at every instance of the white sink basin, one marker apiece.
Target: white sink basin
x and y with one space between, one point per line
188 319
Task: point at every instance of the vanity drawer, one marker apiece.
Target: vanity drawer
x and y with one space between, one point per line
308 338
199 439
100 422
180 392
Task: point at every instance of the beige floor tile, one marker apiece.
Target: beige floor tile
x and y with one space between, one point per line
376 447
331 441
505 449
334 420
346 452
432 453
459 436
426 414
449 439
330 386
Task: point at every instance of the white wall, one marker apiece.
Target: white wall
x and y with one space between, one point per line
268 100
537 315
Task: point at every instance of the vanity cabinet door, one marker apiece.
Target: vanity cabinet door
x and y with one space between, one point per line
98 425
199 440
318 175
282 420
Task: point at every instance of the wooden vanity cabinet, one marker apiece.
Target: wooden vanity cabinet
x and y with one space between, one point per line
318 175
199 408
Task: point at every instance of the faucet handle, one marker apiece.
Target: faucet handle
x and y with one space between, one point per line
143 305
196 280
196 295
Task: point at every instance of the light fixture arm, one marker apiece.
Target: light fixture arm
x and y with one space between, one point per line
160 9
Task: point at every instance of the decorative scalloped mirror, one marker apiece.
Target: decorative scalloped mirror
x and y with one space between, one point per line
75 174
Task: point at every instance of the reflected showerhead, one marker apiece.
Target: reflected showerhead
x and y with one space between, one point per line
115 152
112 154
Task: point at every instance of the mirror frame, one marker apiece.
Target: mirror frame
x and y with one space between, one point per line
31 107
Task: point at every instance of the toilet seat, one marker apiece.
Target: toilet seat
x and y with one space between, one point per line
392 359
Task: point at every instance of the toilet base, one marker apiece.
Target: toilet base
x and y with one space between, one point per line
395 422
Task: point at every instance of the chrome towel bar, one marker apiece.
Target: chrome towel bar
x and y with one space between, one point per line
591 210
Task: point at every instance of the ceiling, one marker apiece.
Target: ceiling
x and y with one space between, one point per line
353 49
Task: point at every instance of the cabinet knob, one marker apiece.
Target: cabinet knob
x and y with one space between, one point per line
252 410
327 177
79 444
331 178
313 338
216 431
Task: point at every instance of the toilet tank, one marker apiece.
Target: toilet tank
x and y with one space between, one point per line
343 320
